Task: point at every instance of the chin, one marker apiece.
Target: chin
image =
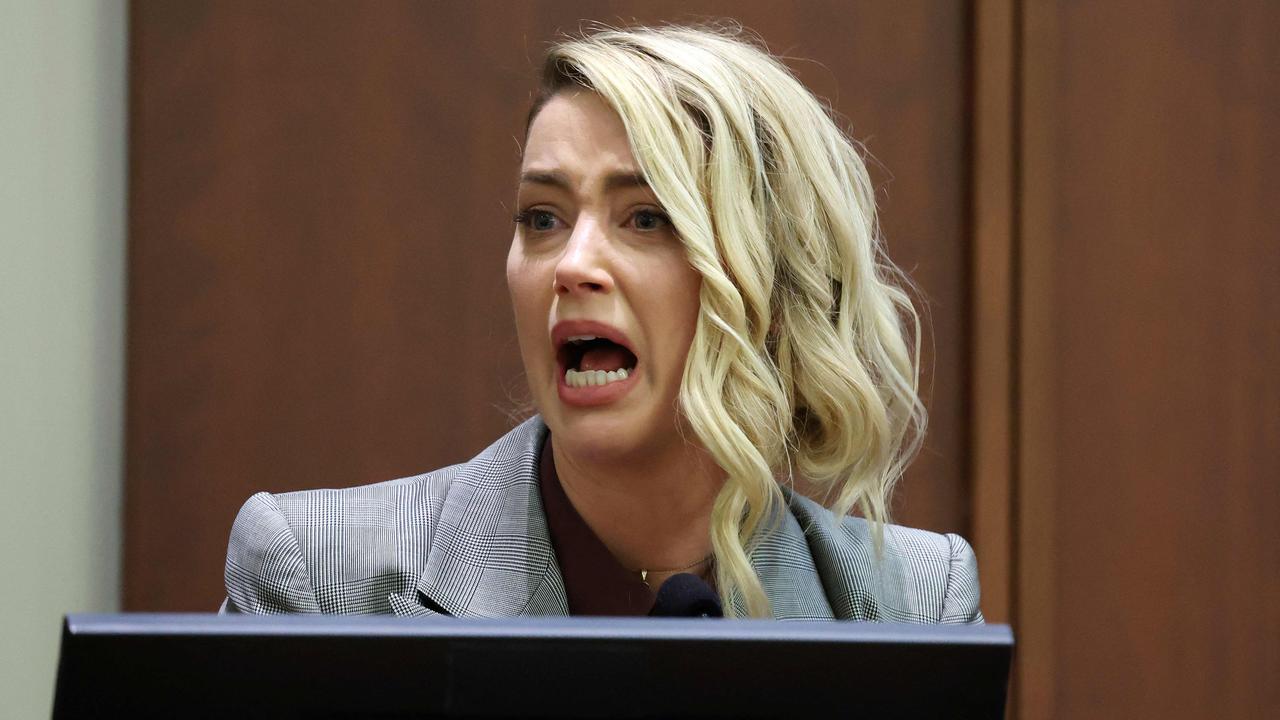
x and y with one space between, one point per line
602 435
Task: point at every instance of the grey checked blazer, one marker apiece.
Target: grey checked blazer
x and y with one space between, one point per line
471 540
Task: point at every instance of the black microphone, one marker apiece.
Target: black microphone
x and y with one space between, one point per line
686 595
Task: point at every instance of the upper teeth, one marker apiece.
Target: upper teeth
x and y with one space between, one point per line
580 338
587 378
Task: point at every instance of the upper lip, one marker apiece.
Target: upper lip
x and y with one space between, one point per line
565 329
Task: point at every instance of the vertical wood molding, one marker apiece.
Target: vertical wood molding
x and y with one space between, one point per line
1037 405
993 303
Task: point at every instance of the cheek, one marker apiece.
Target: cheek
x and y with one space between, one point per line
530 301
514 259
689 294
518 281
680 302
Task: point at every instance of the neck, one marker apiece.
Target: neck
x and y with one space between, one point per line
654 514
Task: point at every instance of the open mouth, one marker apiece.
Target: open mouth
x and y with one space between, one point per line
589 360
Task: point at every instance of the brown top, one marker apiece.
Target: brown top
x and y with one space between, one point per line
594 582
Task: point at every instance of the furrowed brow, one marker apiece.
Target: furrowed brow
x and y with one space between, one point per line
614 181
553 179
620 181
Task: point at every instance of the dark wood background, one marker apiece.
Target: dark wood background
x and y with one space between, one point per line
320 210
320 218
1150 344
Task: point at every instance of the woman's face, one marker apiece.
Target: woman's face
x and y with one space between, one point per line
605 301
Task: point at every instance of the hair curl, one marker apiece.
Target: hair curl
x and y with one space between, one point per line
804 360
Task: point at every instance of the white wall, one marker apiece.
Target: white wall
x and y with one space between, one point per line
62 229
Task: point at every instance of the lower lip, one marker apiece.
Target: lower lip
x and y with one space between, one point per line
593 395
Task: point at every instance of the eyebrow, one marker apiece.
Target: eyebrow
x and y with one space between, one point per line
614 181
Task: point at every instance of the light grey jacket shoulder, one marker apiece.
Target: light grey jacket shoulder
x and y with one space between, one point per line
471 540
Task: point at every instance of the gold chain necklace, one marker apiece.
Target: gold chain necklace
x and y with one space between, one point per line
644 574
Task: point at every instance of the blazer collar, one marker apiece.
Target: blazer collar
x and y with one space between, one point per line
491 554
784 561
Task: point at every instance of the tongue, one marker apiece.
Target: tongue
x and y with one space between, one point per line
606 357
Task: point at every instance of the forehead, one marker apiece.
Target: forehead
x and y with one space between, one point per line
577 131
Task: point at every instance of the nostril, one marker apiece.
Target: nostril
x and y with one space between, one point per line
581 281
585 286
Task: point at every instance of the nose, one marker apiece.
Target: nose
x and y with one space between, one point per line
583 268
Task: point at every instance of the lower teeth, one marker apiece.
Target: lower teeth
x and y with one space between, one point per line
587 378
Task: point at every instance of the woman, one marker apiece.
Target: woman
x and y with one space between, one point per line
706 317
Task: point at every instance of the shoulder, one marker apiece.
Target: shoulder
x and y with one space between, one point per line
917 576
332 551
346 550
316 514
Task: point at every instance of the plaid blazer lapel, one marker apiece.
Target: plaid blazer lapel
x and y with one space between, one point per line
858 587
784 562
491 553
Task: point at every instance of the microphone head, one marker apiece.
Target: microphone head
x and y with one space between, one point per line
686 595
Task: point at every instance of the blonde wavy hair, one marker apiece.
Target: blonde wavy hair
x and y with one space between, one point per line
804 361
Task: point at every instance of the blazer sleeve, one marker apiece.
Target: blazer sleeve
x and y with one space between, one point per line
960 603
266 572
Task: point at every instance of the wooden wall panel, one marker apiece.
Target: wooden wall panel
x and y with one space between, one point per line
992 385
320 201
1149 555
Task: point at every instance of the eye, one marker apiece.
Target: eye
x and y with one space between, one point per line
649 220
537 220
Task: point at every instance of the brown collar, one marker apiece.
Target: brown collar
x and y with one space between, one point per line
594 582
